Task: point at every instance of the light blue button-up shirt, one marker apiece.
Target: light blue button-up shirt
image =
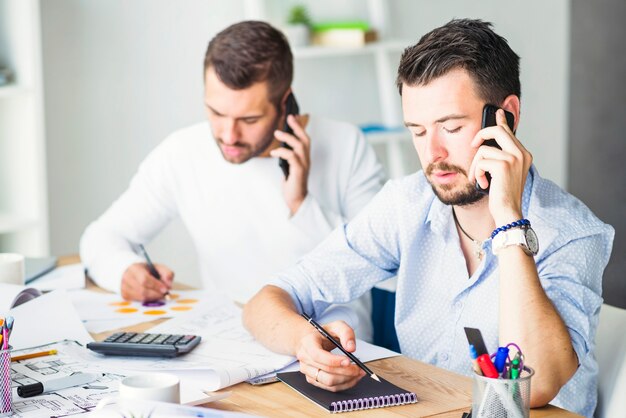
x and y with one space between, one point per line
407 232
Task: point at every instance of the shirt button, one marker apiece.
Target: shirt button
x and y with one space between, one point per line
443 356
458 304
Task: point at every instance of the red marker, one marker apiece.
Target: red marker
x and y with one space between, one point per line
489 370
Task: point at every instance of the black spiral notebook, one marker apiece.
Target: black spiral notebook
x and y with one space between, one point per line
367 394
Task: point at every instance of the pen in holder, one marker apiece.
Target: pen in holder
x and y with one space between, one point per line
6 394
502 398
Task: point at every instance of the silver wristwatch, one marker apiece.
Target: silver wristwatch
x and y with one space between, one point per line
524 236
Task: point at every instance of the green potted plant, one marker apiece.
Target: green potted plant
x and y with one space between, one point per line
298 28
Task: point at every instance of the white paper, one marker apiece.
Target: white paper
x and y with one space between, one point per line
227 354
125 408
78 399
14 295
108 311
66 277
101 325
48 318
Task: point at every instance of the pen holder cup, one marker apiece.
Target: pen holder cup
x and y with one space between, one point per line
502 398
6 393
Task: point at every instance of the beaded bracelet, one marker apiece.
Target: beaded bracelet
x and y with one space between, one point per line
521 222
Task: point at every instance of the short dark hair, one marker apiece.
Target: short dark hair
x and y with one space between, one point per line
249 52
468 44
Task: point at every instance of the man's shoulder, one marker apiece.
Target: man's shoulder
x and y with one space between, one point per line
562 212
412 191
183 147
198 132
193 139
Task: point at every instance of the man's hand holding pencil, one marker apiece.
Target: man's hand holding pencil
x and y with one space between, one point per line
333 372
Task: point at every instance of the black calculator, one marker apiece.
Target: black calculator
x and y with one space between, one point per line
145 344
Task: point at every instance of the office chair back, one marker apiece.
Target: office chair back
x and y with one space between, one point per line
383 314
611 356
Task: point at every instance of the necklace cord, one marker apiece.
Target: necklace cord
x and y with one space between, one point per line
456 221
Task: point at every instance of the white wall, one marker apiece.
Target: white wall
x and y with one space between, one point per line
120 75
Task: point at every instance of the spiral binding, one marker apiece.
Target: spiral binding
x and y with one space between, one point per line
370 403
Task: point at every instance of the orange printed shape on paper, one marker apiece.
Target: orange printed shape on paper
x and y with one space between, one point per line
126 310
155 312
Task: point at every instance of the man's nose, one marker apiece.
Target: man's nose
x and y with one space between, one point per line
435 148
230 132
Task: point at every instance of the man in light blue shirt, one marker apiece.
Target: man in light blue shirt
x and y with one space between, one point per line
522 262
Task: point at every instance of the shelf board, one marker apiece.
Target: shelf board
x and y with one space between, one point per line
13 223
13 90
316 51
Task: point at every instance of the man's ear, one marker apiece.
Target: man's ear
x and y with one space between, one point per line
283 101
512 104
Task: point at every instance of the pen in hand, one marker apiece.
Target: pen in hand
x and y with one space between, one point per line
338 345
151 268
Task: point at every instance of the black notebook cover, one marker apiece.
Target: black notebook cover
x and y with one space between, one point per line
367 394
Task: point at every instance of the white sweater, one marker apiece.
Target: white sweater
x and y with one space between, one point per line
236 214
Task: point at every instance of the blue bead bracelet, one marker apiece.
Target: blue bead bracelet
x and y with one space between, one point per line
521 222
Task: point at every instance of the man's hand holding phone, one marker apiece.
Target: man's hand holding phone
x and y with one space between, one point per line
333 372
508 168
138 284
295 186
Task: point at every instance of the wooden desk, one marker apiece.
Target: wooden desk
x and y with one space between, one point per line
441 393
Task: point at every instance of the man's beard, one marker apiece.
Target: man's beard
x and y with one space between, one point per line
251 151
466 196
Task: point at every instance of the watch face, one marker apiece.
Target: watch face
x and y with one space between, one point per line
532 241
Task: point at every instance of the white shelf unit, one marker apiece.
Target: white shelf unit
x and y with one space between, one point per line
23 203
392 145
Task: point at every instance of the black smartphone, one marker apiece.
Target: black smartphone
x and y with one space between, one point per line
291 108
489 119
475 338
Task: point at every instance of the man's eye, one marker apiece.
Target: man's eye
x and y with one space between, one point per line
419 134
452 131
250 121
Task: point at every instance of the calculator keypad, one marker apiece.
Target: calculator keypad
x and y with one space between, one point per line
145 344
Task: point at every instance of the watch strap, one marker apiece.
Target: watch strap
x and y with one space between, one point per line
512 236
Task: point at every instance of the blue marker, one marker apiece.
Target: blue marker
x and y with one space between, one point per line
500 360
474 356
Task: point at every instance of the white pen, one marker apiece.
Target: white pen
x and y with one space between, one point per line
35 389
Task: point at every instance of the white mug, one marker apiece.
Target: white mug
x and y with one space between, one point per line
12 268
160 387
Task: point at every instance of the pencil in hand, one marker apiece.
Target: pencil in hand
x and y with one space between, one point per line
340 347
152 269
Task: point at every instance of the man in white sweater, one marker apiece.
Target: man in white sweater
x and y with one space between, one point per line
222 178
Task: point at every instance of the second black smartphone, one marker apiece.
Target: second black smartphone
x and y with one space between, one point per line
291 108
489 119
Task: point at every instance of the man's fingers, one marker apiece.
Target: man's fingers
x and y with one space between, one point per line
138 284
167 275
329 377
332 383
134 290
296 144
298 130
295 163
343 333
